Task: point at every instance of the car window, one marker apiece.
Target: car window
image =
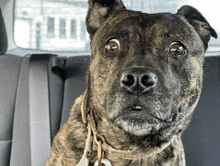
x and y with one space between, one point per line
59 25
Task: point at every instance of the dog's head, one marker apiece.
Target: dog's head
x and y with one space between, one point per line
147 69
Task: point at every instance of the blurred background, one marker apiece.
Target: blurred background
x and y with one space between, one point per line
59 25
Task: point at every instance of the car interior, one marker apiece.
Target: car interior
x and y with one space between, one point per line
39 87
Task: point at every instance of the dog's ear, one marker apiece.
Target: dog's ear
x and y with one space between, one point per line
99 11
197 20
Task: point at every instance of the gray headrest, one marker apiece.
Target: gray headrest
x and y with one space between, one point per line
3 35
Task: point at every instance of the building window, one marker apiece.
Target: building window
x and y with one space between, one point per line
83 31
73 29
38 35
50 27
62 28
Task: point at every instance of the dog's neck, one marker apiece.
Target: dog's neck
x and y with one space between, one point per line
120 140
169 149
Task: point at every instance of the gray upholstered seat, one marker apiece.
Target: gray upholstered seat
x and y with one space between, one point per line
9 71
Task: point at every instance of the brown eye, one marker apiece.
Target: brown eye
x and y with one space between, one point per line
112 46
177 48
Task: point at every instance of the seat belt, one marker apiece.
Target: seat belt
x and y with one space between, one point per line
31 129
40 137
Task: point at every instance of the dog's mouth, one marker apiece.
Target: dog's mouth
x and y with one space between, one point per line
137 108
140 121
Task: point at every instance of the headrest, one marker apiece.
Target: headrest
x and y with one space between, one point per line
3 35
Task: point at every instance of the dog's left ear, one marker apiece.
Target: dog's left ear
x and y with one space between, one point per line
197 20
99 11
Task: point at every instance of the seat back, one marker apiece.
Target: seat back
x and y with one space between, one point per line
75 82
201 139
9 73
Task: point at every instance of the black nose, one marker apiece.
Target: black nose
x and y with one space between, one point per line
138 82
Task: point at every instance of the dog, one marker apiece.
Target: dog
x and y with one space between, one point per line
143 83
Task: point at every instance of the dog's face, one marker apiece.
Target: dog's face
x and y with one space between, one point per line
146 73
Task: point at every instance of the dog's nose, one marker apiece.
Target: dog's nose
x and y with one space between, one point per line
136 82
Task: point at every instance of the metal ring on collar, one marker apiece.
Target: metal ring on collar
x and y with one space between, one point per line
103 161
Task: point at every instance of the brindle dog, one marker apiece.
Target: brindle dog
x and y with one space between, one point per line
143 84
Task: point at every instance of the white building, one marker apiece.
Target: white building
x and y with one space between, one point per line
151 6
51 25
59 25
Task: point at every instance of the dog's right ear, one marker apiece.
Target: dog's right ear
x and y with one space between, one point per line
99 11
198 21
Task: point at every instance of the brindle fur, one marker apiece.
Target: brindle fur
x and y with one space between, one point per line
144 40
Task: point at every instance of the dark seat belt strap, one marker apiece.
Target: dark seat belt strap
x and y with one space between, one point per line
40 138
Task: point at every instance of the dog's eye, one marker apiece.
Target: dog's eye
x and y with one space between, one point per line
112 46
177 48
